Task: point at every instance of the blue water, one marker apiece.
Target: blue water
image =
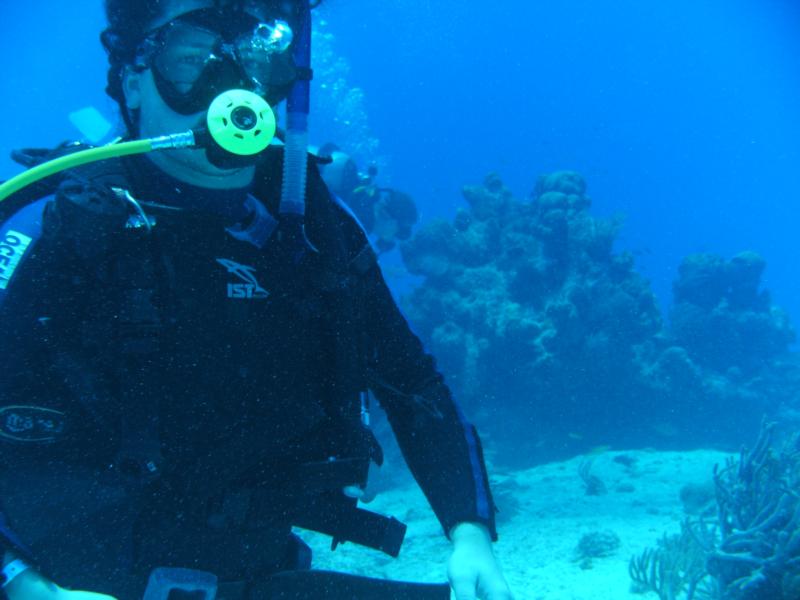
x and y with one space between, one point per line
681 115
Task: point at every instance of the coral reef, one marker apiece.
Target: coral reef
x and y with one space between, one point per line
722 317
759 519
751 550
698 498
540 325
675 568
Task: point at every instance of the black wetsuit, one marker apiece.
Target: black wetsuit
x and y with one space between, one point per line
222 358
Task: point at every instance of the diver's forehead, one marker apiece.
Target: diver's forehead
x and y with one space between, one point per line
175 8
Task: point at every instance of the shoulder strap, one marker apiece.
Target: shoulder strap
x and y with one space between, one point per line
31 157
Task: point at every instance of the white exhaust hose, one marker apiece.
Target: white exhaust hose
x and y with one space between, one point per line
298 107
295 164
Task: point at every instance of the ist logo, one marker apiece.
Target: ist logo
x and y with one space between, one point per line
247 288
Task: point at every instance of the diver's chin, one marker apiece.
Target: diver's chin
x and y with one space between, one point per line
197 160
192 166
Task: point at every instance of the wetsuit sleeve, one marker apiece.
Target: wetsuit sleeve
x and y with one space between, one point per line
441 447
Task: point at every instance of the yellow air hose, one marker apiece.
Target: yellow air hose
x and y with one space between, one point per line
239 121
70 161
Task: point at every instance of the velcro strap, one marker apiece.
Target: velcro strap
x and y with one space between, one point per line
344 522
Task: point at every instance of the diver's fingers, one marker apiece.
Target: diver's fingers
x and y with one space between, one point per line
501 593
82 595
464 588
494 587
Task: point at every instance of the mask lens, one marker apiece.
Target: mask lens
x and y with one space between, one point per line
264 54
187 50
203 53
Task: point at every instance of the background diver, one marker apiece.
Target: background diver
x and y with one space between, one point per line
387 215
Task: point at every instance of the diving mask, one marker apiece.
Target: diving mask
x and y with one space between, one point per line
202 53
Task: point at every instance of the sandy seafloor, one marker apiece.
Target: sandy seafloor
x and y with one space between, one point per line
544 513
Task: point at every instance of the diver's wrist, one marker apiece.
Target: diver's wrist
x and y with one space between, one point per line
30 585
470 532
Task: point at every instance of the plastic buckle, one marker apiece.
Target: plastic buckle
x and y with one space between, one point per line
188 583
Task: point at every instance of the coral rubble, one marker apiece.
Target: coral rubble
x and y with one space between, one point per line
597 544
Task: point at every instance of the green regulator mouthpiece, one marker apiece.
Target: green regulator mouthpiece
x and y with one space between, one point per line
241 122
238 122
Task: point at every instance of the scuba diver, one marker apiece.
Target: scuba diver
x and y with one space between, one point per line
386 214
193 328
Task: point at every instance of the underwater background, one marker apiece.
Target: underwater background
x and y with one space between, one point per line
681 115
607 254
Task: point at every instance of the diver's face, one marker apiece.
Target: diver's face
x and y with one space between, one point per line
156 118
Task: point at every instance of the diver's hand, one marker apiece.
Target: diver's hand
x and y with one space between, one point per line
473 570
30 585
81 595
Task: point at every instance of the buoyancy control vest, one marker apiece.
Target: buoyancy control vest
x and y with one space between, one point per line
146 292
